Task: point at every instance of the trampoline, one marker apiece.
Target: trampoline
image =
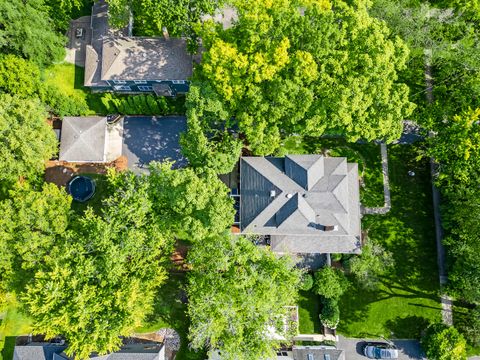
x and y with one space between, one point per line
82 188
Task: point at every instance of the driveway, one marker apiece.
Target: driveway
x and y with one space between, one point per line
408 349
147 138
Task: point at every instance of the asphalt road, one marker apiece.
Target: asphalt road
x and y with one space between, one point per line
408 349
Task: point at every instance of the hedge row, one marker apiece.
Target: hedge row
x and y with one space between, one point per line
143 104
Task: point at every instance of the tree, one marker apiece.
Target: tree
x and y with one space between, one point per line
235 291
27 31
442 342
151 16
31 223
330 314
100 282
196 204
26 140
18 76
456 147
219 153
373 262
62 11
306 283
330 283
470 326
343 78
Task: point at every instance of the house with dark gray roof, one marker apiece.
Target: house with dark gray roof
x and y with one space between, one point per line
48 351
115 61
304 203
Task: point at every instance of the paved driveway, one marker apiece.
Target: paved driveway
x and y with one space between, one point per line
408 349
147 139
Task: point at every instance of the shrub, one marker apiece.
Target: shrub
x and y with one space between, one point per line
63 105
442 342
470 326
330 314
143 104
307 282
330 283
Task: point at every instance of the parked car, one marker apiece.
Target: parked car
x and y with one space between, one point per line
380 350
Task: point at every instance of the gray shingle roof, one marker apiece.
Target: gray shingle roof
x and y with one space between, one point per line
139 58
37 351
317 353
83 139
295 198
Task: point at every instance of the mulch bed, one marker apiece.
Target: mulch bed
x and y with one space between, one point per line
60 172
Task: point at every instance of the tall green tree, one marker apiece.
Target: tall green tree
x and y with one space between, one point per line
456 147
27 31
278 72
330 283
100 282
236 290
219 152
32 222
442 342
26 140
62 11
151 16
192 203
18 76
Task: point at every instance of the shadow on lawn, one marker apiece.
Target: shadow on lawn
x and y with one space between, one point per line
8 347
407 327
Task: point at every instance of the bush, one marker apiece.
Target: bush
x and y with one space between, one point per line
307 282
330 283
470 326
63 105
143 104
330 314
442 342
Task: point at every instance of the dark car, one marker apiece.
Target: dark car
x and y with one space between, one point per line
380 350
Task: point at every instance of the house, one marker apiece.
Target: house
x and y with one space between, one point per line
301 204
302 353
90 140
115 61
49 351
140 139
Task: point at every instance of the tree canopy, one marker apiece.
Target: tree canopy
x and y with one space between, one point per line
26 140
27 31
100 281
330 283
277 72
236 289
442 342
151 16
196 204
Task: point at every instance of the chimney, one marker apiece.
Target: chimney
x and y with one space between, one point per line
165 33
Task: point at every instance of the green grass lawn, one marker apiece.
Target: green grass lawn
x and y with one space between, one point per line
367 156
407 299
13 323
96 201
171 312
308 310
69 78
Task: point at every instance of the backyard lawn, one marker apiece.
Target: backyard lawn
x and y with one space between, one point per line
12 323
407 299
69 78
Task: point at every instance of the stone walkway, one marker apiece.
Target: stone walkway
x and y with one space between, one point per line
386 186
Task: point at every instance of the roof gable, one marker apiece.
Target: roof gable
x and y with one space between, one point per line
315 196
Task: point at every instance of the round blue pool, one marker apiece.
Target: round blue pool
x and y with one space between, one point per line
81 188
